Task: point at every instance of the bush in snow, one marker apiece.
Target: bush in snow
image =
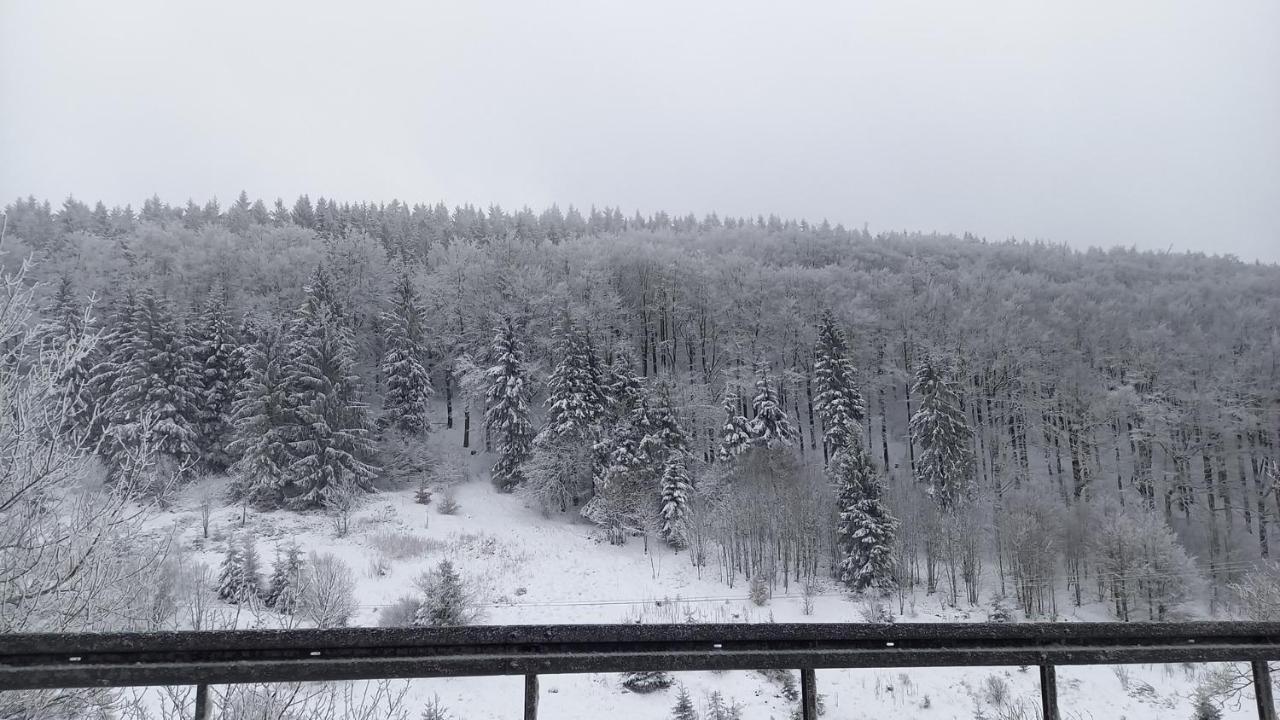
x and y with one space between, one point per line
1259 592
874 610
400 613
447 599
646 681
759 590
328 596
422 495
435 710
448 504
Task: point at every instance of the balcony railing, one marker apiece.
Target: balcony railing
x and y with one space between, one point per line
252 656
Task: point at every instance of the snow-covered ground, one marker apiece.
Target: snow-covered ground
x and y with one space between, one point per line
535 569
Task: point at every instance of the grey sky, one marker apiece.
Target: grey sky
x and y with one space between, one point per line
1096 122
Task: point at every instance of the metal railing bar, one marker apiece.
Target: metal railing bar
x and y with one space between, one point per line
1048 692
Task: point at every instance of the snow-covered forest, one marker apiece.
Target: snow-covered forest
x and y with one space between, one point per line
1012 428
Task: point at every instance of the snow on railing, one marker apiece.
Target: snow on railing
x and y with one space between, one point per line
242 656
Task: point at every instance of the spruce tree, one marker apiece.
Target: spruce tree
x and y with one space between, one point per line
214 356
677 486
285 585
561 466
153 385
444 604
404 363
328 433
684 709
838 401
508 414
770 427
623 387
735 436
576 399
865 530
115 352
262 421
625 483
239 579
941 433
63 332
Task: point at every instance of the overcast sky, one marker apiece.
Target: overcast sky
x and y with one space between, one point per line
1153 123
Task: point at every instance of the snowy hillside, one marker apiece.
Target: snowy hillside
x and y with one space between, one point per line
529 568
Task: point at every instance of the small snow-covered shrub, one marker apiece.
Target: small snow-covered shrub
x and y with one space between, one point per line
401 545
447 599
435 710
646 681
718 709
874 610
1000 611
400 613
379 566
995 690
328 596
341 503
422 495
810 591
448 504
759 588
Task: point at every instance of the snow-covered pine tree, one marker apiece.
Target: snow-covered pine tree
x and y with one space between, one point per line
941 433
329 432
623 387
735 436
625 484
508 414
64 330
838 401
646 681
770 427
677 486
153 387
865 530
444 604
239 579
561 466
576 400
262 419
404 362
664 453
684 709
285 584
114 353
215 346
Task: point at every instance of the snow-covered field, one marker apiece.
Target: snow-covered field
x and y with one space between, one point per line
535 569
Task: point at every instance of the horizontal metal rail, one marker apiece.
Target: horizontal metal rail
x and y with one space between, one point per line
245 656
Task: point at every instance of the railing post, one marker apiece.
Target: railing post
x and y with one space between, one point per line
203 711
530 697
808 694
1048 692
1262 690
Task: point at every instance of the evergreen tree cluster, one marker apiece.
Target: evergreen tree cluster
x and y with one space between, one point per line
1022 364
